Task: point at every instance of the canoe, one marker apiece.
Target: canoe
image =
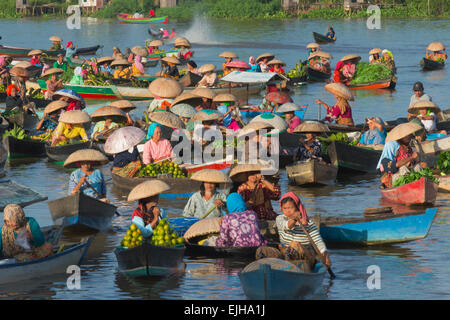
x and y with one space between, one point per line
353 158
422 191
267 283
180 188
24 120
383 229
195 250
444 184
128 18
54 264
316 75
20 148
428 64
15 52
79 209
61 153
435 146
321 39
13 192
311 172
379 84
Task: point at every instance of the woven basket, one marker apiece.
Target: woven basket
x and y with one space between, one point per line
55 105
203 227
148 189
167 119
75 117
85 155
211 176
403 130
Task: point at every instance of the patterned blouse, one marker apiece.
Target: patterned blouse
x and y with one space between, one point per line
240 229
197 206
96 180
304 154
262 205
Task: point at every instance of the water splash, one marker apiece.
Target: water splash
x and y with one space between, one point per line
200 32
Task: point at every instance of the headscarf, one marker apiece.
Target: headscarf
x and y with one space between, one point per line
389 152
298 203
9 89
224 109
235 203
374 134
151 129
389 53
12 213
138 64
339 65
69 43
252 61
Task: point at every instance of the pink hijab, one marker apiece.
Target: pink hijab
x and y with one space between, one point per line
138 64
303 216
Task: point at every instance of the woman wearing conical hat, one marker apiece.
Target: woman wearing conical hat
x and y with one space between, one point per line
341 112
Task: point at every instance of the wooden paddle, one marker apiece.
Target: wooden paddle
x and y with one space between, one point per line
208 212
321 256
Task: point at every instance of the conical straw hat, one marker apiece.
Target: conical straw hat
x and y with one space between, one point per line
123 104
185 96
276 121
182 42
204 93
206 115
265 55
183 110
123 139
311 127
105 59
148 189
225 97
86 155
203 227
165 88
424 104
436 46
207 68
350 57
288 107
228 54
375 50
55 38
55 105
139 51
171 60
75 117
34 52
276 61
53 71
253 127
403 130
155 43
19 72
211 176
108 111
23 64
236 173
341 90
167 119
321 54
120 62
313 45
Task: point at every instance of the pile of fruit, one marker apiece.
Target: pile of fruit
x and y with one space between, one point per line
366 72
2 88
16 132
96 80
46 136
414 176
443 163
217 144
163 235
133 237
299 71
10 113
165 167
35 93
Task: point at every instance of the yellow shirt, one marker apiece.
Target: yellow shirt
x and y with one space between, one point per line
136 72
124 74
76 131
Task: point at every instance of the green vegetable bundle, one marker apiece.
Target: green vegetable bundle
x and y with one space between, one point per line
10 113
414 176
299 71
366 72
16 132
443 162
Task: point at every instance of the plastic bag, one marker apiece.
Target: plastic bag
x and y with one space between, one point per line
22 239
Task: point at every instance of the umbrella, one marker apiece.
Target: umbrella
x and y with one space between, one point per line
278 97
238 64
123 139
69 94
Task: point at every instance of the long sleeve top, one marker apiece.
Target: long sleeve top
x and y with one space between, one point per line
38 236
155 151
147 230
197 206
96 180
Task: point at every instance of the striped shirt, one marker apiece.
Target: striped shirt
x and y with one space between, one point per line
296 233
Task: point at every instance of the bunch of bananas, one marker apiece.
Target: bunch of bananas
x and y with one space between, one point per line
16 132
46 136
96 80
299 71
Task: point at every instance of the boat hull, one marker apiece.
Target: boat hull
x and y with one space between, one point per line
128 18
444 184
353 158
380 84
428 64
315 75
61 153
23 52
195 250
435 146
20 148
311 172
321 39
422 191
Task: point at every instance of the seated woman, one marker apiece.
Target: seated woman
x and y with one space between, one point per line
53 83
107 118
56 43
374 56
104 66
376 135
170 67
15 224
35 57
86 179
227 120
5 76
425 111
309 148
137 69
341 112
254 66
239 228
156 148
70 127
331 34
208 201
52 112
388 60
276 66
209 76
346 68
123 70
117 54
228 56
13 99
337 74
288 109
192 68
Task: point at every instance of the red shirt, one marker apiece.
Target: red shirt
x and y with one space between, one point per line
281 70
151 13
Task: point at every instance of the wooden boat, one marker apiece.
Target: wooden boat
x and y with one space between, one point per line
54 264
15 52
379 84
128 18
316 75
435 146
19 148
237 90
79 209
311 172
428 64
444 184
223 164
376 230
180 188
353 158
13 192
267 283
61 153
195 250
321 39
25 120
422 191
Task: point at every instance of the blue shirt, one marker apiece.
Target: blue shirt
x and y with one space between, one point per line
147 230
373 137
96 180
38 236
70 52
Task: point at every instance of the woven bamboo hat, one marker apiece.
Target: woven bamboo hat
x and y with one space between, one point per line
23 64
165 88
206 116
55 106
155 43
188 98
237 173
321 54
139 51
254 127
311 127
106 112
167 119
207 68
341 90
204 93
55 38
105 60
350 57
124 105
171 60
183 110
375 50
34 52
51 71
403 130
424 104
19 72
288 107
276 61
313 45
120 62
75 117
182 42
228 54
211 176
436 46
203 227
86 155
225 97
276 121
148 189
268 55
123 139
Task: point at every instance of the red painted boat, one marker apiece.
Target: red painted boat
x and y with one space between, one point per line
380 84
422 191
223 165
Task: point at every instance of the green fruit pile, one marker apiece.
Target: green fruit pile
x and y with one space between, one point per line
153 170
366 72
133 237
16 132
163 235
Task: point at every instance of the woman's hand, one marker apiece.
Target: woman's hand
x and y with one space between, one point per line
318 101
219 203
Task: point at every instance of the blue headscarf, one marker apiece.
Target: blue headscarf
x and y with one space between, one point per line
235 203
389 151
151 130
224 109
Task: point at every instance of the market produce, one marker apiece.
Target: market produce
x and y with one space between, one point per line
165 167
16 132
443 163
414 176
35 93
298 71
10 113
165 236
46 136
133 237
366 72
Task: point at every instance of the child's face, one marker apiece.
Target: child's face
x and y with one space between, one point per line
289 209
423 112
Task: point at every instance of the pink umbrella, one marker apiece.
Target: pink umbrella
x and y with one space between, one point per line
123 139
238 64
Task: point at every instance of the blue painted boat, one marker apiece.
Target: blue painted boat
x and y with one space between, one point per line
181 224
385 229
280 283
